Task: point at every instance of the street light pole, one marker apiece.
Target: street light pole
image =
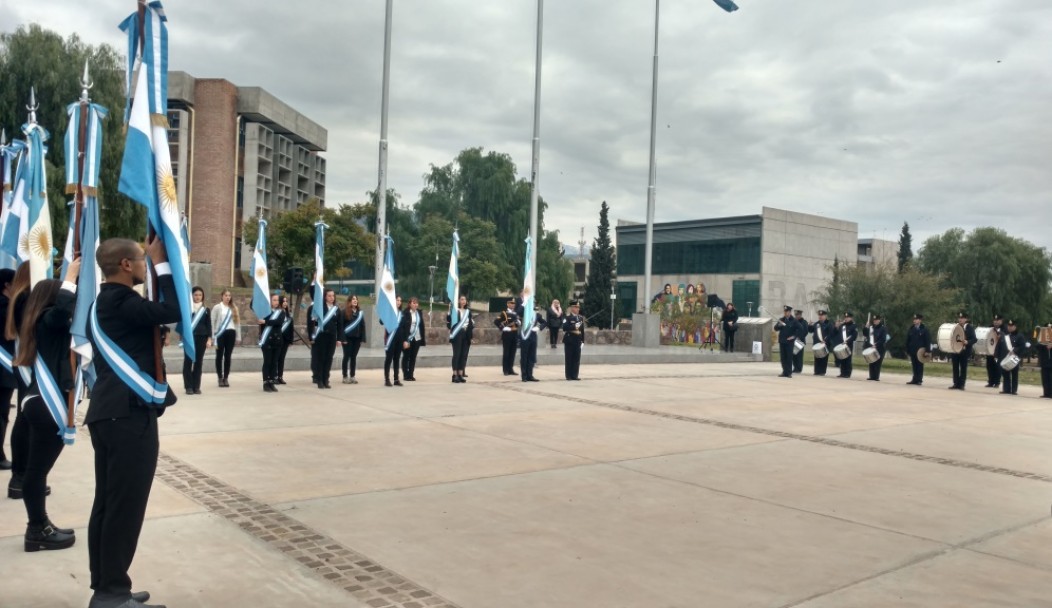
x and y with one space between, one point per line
613 299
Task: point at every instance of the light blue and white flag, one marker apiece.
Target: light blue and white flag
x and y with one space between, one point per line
32 189
261 281
318 297
528 315
386 307
727 5
186 233
146 171
453 282
8 238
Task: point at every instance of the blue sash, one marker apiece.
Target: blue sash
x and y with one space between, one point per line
325 321
142 384
200 314
225 325
285 326
52 397
414 327
353 324
266 330
464 320
6 359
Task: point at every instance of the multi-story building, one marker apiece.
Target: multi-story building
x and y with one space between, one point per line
238 153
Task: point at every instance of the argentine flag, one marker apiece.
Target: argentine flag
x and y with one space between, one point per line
528 315
727 5
386 308
261 288
31 192
318 306
453 283
10 217
146 171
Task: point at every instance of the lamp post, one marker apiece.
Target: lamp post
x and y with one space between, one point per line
431 303
613 299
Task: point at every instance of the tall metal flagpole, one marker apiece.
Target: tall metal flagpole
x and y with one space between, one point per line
381 205
649 250
535 173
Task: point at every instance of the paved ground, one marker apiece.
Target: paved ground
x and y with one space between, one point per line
650 486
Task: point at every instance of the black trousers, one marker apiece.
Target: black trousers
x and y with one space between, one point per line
918 368
821 364
5 416
553 334
350 357
19 433
270 362
192 369
409 358
528 355
1046 381
993 371
846 367
321 354
960 369
1010 380
874 368
284 350
798 361
44 446
508 340
785 355
224 349
125 462
728 340
461 346
572 351
392 360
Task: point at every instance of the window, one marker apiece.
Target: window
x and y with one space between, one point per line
717 256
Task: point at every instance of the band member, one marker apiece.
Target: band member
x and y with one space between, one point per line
44 343
823 331
786 328
848 334
287 336
7 373
555 321
508 322
353 336
19 294
393 348
460 337
201 334
917 338
122 416
730 327
876 337
325 335
528 347
573 340
226 325
993 363
1011 343
414 335
1044 359
801 337
270 343
960 360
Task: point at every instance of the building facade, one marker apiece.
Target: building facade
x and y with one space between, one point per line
238 153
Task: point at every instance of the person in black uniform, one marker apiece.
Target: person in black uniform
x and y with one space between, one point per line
1044 359
201 333
573 340
917 338
460 337
877 337
823 331
44 346
801 337
287 336
1010 343
7 373
508 322
414 335
786 327
528 347
122 419
393 348
325 335
353 336
960 360
555 322
848 335
993 362
19 293
270 343
730 326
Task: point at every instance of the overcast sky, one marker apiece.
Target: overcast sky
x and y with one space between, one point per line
938 112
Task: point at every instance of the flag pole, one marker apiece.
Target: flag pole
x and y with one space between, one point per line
381 194
78 212
535 174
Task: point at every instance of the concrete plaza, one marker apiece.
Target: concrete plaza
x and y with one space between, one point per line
693 484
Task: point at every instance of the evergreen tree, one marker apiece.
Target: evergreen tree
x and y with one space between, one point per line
905 247
600 275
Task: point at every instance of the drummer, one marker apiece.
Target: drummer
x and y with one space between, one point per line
848 335
918 341
1010 344
801 337
1044 359
823 331
877 338
960 359
993 362
786 327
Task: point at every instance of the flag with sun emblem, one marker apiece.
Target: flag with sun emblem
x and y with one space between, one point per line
386 306
261 282
528 315
453 282
318 295
146 171
10 216
36 246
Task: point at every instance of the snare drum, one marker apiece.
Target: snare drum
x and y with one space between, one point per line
1010 362
842 351
871 355
986 341
820 350
798 346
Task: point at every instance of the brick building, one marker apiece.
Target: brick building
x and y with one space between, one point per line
237 153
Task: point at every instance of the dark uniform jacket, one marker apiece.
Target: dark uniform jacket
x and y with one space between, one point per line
203 328
554 320
729 317
507 318
573 327
469 327
274 323
1044 355
801 330
850 331
7 379
288 333
877 337
786 327
405 326
358 333
969 340
1017 341
539 323
333 328
827 332
917 337
52 334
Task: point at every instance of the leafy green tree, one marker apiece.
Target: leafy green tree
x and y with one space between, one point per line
905 246
600 273
554 271
32 56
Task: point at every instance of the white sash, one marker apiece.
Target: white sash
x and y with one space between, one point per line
325 321
225 324
200 314
266 330
465 318
142 384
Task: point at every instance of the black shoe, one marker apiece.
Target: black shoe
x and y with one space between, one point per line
58 529
532 380
5 465
266 387
784 376
990 386
397 383
47 538
326 385
320 384
513 373
411 379
280 381
197 391
455 381
133 602
387 382
273 388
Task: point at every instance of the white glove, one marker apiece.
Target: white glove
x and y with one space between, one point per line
577 325
506 329
535 329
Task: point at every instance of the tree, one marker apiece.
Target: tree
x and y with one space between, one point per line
905 246
554 271
34 57
600 273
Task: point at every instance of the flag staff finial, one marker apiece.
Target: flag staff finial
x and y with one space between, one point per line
33 105
86 84
3 137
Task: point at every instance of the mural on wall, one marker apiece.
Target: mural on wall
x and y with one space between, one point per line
685 318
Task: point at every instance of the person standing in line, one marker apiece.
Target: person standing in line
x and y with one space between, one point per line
877 337
555 321
44 346
823 331
993 363
786 328
801 337
201 334
508 322
414 335
573 340
1011 343
7 373
123 412
20 288
325 335
287 336
528 347
353 336
1044 359
270 343
226 323
918 338
960 359
729 321
460 337
848 335
393 347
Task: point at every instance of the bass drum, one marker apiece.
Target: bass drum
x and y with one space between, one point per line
951 338
841 351
820 350
986 341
